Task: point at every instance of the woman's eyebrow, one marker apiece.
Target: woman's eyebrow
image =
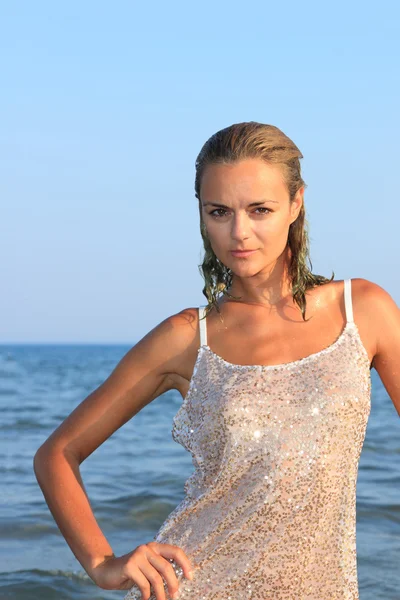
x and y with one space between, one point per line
256 203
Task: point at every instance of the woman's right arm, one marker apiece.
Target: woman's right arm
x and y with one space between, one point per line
144 373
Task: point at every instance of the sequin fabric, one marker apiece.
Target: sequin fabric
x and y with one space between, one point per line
269 512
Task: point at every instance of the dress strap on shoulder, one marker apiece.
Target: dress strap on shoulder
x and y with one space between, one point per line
348 301
203 327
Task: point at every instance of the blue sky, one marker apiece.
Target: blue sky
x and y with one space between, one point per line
104 108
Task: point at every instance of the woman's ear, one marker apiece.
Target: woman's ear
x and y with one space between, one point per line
295 206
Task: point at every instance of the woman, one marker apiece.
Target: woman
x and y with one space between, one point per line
275 376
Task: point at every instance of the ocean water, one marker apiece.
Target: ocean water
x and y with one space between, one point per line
136 478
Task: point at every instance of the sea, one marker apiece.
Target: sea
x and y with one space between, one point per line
136 478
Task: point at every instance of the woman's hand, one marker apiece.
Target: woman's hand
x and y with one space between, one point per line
148 565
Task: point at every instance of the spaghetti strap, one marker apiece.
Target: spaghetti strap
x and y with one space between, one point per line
203 327
348 301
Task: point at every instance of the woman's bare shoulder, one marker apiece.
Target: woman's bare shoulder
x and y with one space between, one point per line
365 293
370 297
375 312
169 346
381 312
182 329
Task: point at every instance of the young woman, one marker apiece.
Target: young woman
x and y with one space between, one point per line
275 376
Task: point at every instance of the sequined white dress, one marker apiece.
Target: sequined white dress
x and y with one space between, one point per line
270 510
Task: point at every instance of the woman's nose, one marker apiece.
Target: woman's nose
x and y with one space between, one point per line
240 226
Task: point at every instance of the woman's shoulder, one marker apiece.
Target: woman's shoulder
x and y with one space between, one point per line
375 313
182 331
370 302
382 316
183 326
370 296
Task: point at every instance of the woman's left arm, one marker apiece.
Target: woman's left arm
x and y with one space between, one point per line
386 316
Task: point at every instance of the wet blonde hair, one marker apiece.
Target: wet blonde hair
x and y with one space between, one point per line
266 142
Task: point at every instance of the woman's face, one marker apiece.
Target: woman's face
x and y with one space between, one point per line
245 206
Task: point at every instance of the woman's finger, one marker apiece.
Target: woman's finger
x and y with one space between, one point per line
176 553
165 568
154 576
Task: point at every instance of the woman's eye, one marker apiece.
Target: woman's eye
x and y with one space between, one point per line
217 210
222 210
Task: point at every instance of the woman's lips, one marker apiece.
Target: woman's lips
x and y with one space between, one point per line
242 253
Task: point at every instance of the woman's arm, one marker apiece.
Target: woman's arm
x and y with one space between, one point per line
58 474
384 318
142 375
